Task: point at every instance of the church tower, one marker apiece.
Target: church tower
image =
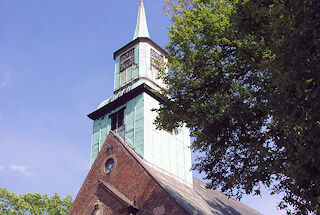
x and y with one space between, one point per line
128 111
135 168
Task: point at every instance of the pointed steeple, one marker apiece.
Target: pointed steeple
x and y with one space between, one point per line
141 28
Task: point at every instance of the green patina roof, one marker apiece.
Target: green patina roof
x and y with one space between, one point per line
119 94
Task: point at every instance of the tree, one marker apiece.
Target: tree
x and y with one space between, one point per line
244 76
11 203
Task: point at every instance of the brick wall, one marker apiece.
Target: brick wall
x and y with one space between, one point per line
128 177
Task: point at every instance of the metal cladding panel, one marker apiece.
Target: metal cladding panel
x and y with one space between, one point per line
129 115
189 177
135 72
129 127
96 126
180 154
181 172
116 73
130 137
149 115
139 125
122 77
143 47
148 154
165 163
148 129
95 138
136 61
140 101
156 145
187 160
173 150
170 152
139 116
166 146
94 152
103 136
138 143
130 120
134 124
139 149
173 168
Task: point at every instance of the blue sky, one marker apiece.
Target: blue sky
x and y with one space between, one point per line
56 66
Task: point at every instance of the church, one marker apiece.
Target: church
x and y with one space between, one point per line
135 168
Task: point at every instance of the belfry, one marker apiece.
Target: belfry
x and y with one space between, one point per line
135 168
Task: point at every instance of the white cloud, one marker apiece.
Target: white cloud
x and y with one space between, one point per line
20 168
4 79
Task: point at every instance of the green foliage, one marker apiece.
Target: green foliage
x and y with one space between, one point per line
11 203
243 75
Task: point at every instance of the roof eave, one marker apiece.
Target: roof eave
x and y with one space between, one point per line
136 41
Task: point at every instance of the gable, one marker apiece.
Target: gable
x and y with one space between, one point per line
128 184
107 200
134 184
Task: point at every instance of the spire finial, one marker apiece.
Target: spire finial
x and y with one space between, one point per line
141 27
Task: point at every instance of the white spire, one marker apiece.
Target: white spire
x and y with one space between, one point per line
141 28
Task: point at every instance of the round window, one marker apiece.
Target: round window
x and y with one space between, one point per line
109 165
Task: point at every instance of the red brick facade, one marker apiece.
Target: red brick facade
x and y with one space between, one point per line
127 188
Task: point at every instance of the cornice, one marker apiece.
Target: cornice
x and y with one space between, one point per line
136 41
122 100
